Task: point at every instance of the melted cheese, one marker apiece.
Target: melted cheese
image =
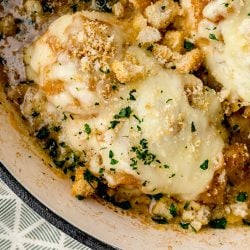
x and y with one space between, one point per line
160 142
229 59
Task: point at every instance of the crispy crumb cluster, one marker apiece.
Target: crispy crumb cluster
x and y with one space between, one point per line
99 62
154 23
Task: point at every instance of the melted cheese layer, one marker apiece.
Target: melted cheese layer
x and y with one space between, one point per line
229 61
162 135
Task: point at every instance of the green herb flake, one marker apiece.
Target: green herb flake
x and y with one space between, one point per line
193 128
159 220
188 46
186 205
213 37
57 128
184 225
124 113
113 124
105 71
74 8
133 163
204 165
169 100
87 129
89 177
226 4
156 196
126 205
246 221
150 48
218 223
171 176
242 196
173 210
101 170
138 128
35 114
80 197
113 162
111 154
131 95
43 133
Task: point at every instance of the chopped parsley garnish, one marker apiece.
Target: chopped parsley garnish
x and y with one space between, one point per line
101 170
159 220
156 196
113 124
186 205
173 210
35 114
136 117
204 165
57 128
111 154
171 176
105 71
131 96
242 196
87 129
184 225
124 113
89 177
43 133
193 128
133 163
213 37
124 205
169 100
218 223
236 127
150 48
59 163
226 4
52 147
74 7
80 197
138 128
114 87
113 162
47 7
188 46
97 103
246 221
166 166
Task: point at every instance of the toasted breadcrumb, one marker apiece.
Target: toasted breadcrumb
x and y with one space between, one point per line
162 13
190 62
162 53
174 39
140 4
139 22
126 71
118 9
149 35
80 186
